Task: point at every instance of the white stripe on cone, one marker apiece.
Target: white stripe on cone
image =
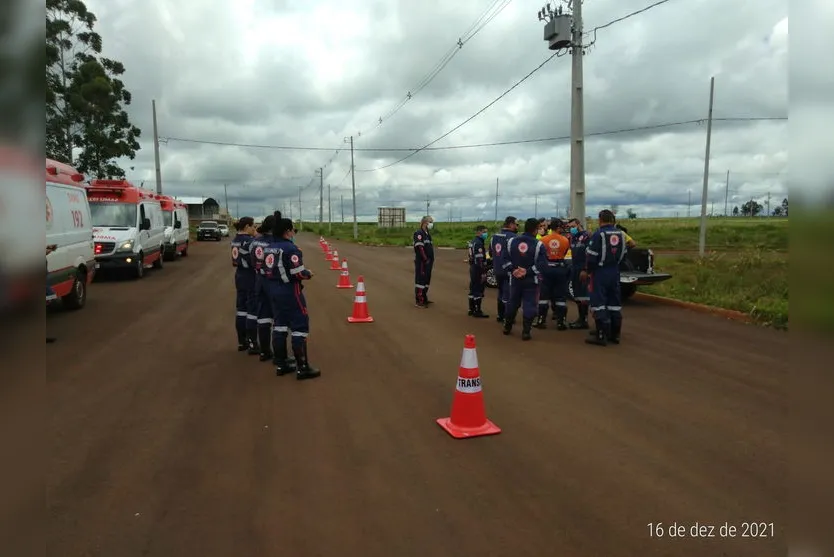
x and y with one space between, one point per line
469 359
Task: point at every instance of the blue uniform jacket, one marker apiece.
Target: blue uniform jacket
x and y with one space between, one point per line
528 253
606 249
242 262
498 248
423 247
578 245
284 263
477 255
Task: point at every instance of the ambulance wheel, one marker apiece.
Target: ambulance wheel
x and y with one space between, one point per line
158 264
77 297
139 266
184 253
627 291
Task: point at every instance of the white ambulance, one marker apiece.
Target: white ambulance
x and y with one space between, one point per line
175 215
128 226
69 232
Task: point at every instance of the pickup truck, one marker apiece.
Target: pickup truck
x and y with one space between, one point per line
637 269
209 230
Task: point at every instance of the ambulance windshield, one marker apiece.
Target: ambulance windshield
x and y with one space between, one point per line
168 217
113 214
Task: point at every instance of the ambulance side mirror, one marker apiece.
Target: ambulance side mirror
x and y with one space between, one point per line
178 224
146 224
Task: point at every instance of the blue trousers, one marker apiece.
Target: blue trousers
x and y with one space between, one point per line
580 287
524 294
290 309
263 314
554 291
606 300
422 280
476 282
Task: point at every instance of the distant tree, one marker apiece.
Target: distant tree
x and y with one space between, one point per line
735 211
785 207
631 214
751 208
615 208
84 97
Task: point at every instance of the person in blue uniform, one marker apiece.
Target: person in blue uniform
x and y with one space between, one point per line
285 274
579 239
423 262
605 252
524 263
264 307
477 272
498 252
246 302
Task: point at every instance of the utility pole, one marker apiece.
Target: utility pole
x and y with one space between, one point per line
768 204
226 195
321 195
726 194
237 209
342 202
563 31
300 212
702 241
496 200
428 204
329 213
353 188
689 205
156 150
536 210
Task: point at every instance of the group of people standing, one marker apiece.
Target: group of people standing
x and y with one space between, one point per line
270 305
535 267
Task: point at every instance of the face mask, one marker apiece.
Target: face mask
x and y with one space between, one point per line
292 239
430 225
574 230
484 235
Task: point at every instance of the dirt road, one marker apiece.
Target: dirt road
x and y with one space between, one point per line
167 442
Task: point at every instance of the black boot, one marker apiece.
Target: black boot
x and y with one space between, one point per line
265 342
616 327
471 305
509 321
478 312
305 370
582 321
540 322
500 316
526 324
242 343
283 363
252 342
598 336
561 318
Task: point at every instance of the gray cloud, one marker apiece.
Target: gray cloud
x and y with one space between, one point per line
277 72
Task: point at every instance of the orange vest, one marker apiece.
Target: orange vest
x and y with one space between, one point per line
556 246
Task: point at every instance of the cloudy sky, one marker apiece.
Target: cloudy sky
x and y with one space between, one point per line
304 73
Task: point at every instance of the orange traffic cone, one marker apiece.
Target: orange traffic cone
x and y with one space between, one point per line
360 305
344 277
328 253
468 417
334 263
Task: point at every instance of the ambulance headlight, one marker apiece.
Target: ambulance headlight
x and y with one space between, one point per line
126 246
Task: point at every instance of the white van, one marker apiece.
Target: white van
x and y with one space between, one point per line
175 215
71 264
128 226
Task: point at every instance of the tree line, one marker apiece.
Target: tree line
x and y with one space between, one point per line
86 99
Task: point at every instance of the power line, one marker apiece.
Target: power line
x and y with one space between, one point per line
619 19
647 127
483 20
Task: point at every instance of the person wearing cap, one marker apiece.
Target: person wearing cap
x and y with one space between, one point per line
285 273
246 303
579 239
525 261
477 272
264 306
423 262
605 252
554 290
498 252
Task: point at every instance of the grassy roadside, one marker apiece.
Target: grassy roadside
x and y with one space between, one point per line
723 234
753 281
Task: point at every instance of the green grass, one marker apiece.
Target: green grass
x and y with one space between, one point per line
731 234
754 282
